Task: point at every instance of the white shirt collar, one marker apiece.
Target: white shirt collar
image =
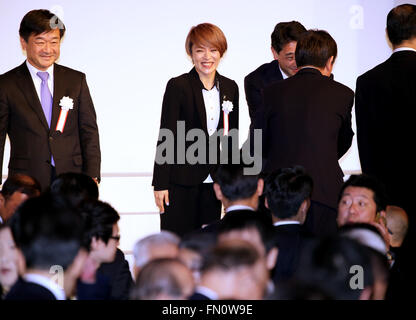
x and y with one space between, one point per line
283 74
47 283
33 70
238 207
207 292
280 223
403 49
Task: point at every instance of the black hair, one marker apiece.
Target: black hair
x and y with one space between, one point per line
39 21
401 23
314 48
285 32
286 189
21 183
234 184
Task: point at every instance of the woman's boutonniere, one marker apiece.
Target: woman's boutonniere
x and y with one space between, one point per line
227 107
66 104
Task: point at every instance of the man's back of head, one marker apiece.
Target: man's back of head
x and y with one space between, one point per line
398 224
232 186
288 189
315 48
401 24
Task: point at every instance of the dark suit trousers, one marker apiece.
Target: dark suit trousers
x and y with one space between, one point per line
189 208
321 220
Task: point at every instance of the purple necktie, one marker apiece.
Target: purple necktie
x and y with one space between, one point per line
46 99
45 96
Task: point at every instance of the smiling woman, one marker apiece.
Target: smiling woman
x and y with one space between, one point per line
183 191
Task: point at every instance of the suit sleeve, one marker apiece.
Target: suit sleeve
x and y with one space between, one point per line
253 96
88 131
4 120
345 133
168 120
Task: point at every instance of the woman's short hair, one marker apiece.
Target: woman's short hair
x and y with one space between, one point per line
206 34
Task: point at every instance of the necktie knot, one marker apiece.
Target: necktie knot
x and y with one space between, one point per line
43 75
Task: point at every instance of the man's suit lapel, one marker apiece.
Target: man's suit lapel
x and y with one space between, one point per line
27 86
58 93
197 87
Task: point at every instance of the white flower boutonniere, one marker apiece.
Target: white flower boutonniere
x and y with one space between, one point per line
66 103
227 106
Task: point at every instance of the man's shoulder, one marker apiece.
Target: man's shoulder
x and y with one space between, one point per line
68 71
13 72
266 69
23 290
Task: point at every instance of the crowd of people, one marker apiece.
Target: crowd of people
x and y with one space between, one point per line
293 230
62 244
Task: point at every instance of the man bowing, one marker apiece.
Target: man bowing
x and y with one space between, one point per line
46 109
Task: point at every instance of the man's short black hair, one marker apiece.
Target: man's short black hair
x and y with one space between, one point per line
371 183
401 23
48 230
39 21
286 189
234 184
285 32
244 219
21 183
99 219
77 187
314 48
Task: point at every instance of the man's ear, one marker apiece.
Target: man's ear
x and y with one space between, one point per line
266 203
260 186
329 66
94 243
275 55
2 201
217 191
23 43
272 258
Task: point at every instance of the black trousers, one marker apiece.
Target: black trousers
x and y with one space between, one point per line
321 220
189 208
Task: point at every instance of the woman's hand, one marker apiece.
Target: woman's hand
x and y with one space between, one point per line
161 197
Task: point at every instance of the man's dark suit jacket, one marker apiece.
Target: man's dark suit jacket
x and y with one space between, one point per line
32 142
23 290
385 105
183 101
288 239
308 123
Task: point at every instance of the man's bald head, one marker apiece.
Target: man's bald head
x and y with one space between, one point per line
397 223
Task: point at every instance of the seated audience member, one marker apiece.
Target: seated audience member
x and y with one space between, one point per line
9 261
158 245
77 188
192 251
327 271
49 233
370 237
236 190
397 224
256 229
232 270
101 236
163 279
363 199
288 194
16 189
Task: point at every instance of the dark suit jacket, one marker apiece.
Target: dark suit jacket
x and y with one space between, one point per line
288 239
23 290
183 101
308 123
32 142
198 296
385 105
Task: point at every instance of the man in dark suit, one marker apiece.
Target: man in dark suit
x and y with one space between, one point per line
49 233
284 38
384 106
46 109
288 194
308 123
